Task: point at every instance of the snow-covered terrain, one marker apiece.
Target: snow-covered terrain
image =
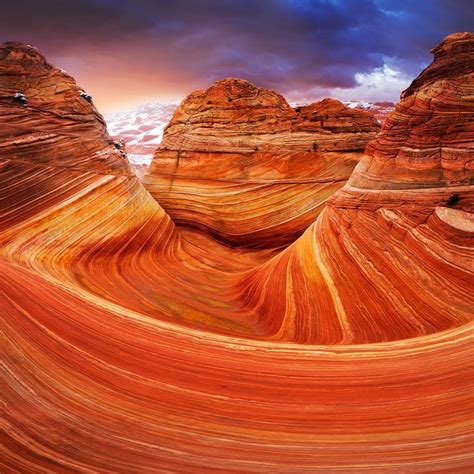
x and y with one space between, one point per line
379 109
141 129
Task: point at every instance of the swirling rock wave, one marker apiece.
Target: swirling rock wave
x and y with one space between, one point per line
130 344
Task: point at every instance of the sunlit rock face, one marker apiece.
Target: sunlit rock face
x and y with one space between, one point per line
390 257
130 344
427 140
64 185
56 126
237 161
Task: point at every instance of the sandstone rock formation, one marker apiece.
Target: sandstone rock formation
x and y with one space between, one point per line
132 345
391 255
237 161
65 188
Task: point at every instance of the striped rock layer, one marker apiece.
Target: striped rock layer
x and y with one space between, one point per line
238 162
63 181
130 344
391 255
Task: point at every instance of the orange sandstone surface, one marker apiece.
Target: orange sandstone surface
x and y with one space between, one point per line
132 343
239 162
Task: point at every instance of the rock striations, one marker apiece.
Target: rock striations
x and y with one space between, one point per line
130 344
237 161
63 181
391 255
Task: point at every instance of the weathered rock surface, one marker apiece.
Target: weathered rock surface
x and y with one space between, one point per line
64 185
130 345
57 120
237 161
391 255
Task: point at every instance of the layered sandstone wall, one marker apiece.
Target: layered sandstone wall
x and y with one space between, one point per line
238 161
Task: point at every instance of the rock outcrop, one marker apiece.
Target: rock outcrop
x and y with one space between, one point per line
237 161
132 345
65 187
391 255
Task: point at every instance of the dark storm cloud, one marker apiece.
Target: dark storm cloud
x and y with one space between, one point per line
289 45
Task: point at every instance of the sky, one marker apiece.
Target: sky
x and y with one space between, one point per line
127 52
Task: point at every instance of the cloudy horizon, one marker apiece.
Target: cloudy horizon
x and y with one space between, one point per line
126 52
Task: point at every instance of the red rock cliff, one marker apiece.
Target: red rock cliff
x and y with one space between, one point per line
61 176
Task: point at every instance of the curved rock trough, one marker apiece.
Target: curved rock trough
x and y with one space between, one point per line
191 333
